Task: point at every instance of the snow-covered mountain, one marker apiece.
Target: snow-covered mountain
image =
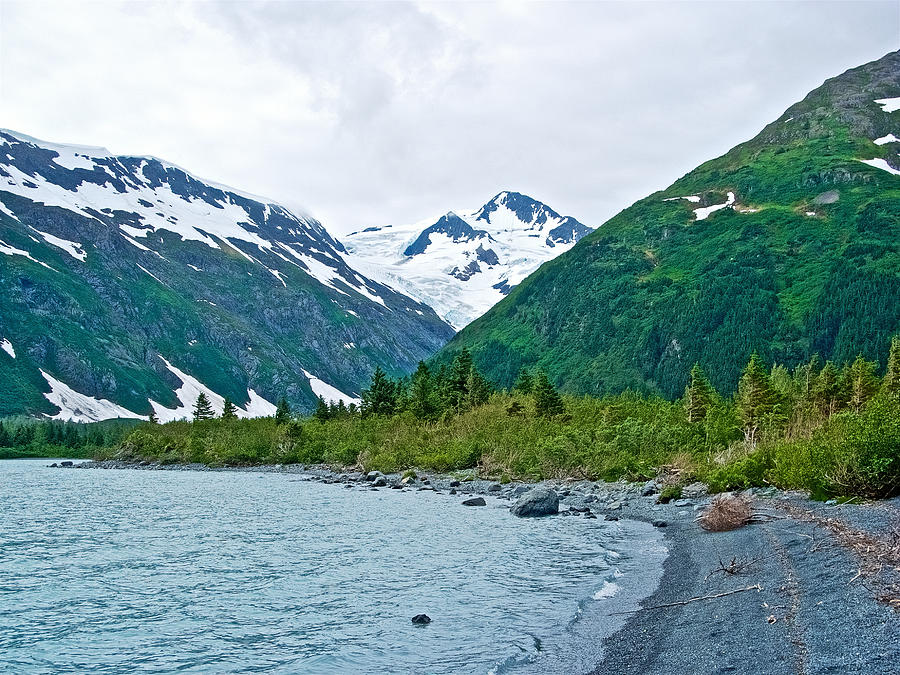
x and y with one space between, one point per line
128 284
465 262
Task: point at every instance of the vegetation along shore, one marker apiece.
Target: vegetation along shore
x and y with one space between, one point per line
829 429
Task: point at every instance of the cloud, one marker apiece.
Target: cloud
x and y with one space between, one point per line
372 113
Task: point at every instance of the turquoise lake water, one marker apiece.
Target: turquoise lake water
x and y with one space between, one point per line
114 571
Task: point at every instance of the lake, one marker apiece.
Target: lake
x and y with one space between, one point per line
113 571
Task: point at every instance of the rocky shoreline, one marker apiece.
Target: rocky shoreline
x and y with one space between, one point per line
783 596
585 499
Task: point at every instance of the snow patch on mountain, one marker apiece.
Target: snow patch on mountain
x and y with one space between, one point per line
259 406
76 407
705 211
890 138
327 391
7 346
191 388
6 249
464 262
881 164
889 104
71 247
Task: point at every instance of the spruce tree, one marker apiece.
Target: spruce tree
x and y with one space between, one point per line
524 382
229 411
863 382
203 409
152 418
755 397
5 440
322 412
423 401
891 384
697 396
381 396
458 384
282 411
479 389
827 389
547 401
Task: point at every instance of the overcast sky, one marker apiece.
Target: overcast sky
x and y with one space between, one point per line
381 113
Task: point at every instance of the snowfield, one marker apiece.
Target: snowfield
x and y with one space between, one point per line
465 262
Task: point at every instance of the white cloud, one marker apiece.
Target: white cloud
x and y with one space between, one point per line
371 113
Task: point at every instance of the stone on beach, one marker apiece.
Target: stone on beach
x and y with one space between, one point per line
475 501
538 502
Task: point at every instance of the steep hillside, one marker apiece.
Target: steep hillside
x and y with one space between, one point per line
787 244
464 262
127 283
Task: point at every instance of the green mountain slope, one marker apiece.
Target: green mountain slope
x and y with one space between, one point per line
804 260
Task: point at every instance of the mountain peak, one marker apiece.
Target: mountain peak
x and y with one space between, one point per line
464 262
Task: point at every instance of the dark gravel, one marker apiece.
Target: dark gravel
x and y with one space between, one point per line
809 617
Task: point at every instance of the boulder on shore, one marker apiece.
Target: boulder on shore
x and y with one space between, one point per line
475 501
535 503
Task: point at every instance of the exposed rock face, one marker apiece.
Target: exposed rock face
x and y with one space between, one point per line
538 502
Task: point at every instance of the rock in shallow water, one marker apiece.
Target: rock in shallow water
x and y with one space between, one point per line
535 503
475 501
421 619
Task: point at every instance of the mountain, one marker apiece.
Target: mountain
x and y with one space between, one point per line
126 284
465 261
787 244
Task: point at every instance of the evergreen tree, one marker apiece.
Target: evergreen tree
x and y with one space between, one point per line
755 397
203 409
783 383
891 383
698 395
423 399
282 411
23 435
322 412
5 440
478 388
458 384
547 401
524 382
152 418
827 391
341 409
863 382
229 411
381 396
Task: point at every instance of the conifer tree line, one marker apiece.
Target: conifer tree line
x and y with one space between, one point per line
764 397
812 390
22 435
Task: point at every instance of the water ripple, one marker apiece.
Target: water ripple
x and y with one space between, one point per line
203 572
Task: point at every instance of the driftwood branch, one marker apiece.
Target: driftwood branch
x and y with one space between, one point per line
755 587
